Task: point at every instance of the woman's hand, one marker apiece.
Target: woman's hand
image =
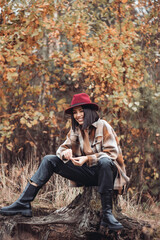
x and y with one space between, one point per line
67 154
79 161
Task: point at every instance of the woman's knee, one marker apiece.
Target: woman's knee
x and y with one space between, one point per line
50 160
105 162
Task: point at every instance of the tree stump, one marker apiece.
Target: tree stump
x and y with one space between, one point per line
79 220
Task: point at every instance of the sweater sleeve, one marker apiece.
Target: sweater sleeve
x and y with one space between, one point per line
66 145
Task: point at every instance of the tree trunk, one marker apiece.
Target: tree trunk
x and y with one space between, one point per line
79 220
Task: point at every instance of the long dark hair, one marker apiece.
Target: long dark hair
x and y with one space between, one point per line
90 116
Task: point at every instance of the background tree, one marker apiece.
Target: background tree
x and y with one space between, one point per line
109 49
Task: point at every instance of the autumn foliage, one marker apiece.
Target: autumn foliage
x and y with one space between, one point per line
50 50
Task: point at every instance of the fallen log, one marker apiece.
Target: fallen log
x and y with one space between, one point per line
79 220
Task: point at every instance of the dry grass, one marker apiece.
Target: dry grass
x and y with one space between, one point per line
148 211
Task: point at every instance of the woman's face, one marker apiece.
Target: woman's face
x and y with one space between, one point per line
78 114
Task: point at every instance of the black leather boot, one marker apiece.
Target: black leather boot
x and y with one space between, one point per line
108 219
22 205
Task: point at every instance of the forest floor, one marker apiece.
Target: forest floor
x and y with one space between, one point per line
56 194
149 212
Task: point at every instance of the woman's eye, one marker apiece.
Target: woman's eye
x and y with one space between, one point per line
80 111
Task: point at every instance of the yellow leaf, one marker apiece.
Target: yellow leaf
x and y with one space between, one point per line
34 122
2 139
20 149
26 115
6 123
31 143
41 118
68 124
2 58
61 101
136 159
46 77
22 120
130 190
61 104
147 178
10 146
156 175
12 75
28 124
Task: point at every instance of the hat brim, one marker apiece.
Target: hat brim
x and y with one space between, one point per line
93 106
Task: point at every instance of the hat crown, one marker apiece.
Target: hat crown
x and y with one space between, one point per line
81 98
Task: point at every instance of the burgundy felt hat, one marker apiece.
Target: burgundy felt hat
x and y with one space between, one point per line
79 100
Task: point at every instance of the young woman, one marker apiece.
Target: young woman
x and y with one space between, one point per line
90 156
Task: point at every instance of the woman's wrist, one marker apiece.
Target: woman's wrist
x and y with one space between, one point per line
87 158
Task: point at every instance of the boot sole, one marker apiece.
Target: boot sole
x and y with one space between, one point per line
104 224
25 213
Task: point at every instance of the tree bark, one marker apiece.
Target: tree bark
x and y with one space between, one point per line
79 220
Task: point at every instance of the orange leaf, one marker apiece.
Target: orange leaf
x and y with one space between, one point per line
2 58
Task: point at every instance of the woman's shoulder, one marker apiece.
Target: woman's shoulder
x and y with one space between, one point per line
103 122
102 127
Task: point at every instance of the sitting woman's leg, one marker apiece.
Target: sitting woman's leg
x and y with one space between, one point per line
107 172
49 164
